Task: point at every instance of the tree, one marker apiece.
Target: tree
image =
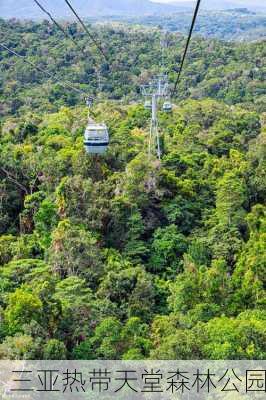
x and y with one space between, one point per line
54 350
78 313
167 248
6 253
248 279
105 344
18 347
45 220
18 272
180 345
231 195
131 289
135 338
238 338
23 306
75 251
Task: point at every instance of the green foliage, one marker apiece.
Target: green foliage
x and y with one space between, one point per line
45 220
230 198
167 247
23 270
249 274
6 245
74 251
18 347
238 338
22 307
131 290
54 350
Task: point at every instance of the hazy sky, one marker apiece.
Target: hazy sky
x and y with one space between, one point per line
169 1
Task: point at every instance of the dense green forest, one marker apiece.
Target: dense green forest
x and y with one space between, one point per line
229 72
233 24
119 256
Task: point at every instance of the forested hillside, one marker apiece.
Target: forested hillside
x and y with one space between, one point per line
232 73
116 256
238 24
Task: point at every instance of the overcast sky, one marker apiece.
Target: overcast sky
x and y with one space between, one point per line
169 1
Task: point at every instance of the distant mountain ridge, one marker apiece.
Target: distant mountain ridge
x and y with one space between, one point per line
253 5
27 9
86 8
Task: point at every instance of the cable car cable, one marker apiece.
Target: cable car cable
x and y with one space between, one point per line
86 30
187 45
24 58
60 27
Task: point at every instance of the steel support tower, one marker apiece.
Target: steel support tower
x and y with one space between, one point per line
155 90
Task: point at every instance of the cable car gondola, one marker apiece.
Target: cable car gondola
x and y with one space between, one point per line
96 138
167 106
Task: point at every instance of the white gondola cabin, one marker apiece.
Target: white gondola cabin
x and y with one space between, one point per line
167 106
96 138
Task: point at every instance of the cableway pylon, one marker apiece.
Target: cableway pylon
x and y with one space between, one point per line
157 89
